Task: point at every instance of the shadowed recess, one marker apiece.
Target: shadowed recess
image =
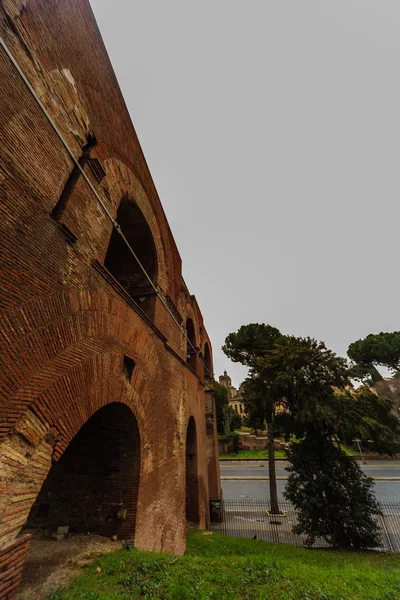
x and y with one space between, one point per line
121 262
94 486
192 479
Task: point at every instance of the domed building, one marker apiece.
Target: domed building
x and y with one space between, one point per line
235 396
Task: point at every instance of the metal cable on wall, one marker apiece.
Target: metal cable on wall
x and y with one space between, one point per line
97 196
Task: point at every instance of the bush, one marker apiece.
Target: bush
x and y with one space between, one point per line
333 496
233 441
236 422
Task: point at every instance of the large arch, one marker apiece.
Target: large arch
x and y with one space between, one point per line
95 485
121 183
91 325
123 265
38 445
59 390
192 475
208 369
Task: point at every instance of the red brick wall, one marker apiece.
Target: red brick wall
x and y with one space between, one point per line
12 558
66 323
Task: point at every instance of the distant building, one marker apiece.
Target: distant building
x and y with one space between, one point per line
389 388
235 396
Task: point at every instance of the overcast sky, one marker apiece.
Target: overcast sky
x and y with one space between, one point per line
271 129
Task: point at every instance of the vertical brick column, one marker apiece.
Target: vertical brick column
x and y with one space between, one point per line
214 481
12 557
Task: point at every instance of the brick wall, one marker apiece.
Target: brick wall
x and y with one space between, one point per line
12 558
69 323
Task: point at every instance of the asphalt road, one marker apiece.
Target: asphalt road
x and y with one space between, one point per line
386 491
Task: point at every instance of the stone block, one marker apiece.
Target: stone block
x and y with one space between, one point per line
63 530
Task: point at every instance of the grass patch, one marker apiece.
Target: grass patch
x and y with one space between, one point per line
347 450
216 567
254 454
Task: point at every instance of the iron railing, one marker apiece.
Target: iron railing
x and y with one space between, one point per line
249 518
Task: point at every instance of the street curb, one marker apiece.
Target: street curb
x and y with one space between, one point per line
356 456
249 459
250 478
282 478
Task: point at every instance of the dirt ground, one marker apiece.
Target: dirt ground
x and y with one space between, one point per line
50 564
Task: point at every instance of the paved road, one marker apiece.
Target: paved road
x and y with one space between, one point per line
375 469
386 491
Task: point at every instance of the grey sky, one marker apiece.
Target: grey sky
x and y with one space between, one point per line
272 132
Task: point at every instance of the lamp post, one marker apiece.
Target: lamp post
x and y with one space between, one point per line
357 441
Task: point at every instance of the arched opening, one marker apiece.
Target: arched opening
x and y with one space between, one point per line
208 374
123 265
95 484
192 480
191 344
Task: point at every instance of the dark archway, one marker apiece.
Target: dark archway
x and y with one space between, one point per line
123 265
191 344
95 484
192 478
208 374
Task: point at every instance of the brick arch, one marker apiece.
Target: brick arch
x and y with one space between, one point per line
208 360
79 324
192 333
94 486
66 355
88 386
76 340
190 314
138 274
122 183
45 431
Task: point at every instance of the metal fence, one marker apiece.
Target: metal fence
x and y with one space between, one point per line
247 518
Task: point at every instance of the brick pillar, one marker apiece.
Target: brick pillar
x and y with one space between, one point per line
12 558
214 479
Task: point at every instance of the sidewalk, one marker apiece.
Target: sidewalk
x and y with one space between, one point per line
282 459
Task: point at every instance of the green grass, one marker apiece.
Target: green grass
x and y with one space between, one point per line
216 567
254 454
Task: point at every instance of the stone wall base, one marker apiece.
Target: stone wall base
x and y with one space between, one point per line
12 557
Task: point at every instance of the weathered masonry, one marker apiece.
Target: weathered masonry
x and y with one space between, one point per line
106 407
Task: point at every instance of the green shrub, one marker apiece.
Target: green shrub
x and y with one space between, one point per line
332 495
